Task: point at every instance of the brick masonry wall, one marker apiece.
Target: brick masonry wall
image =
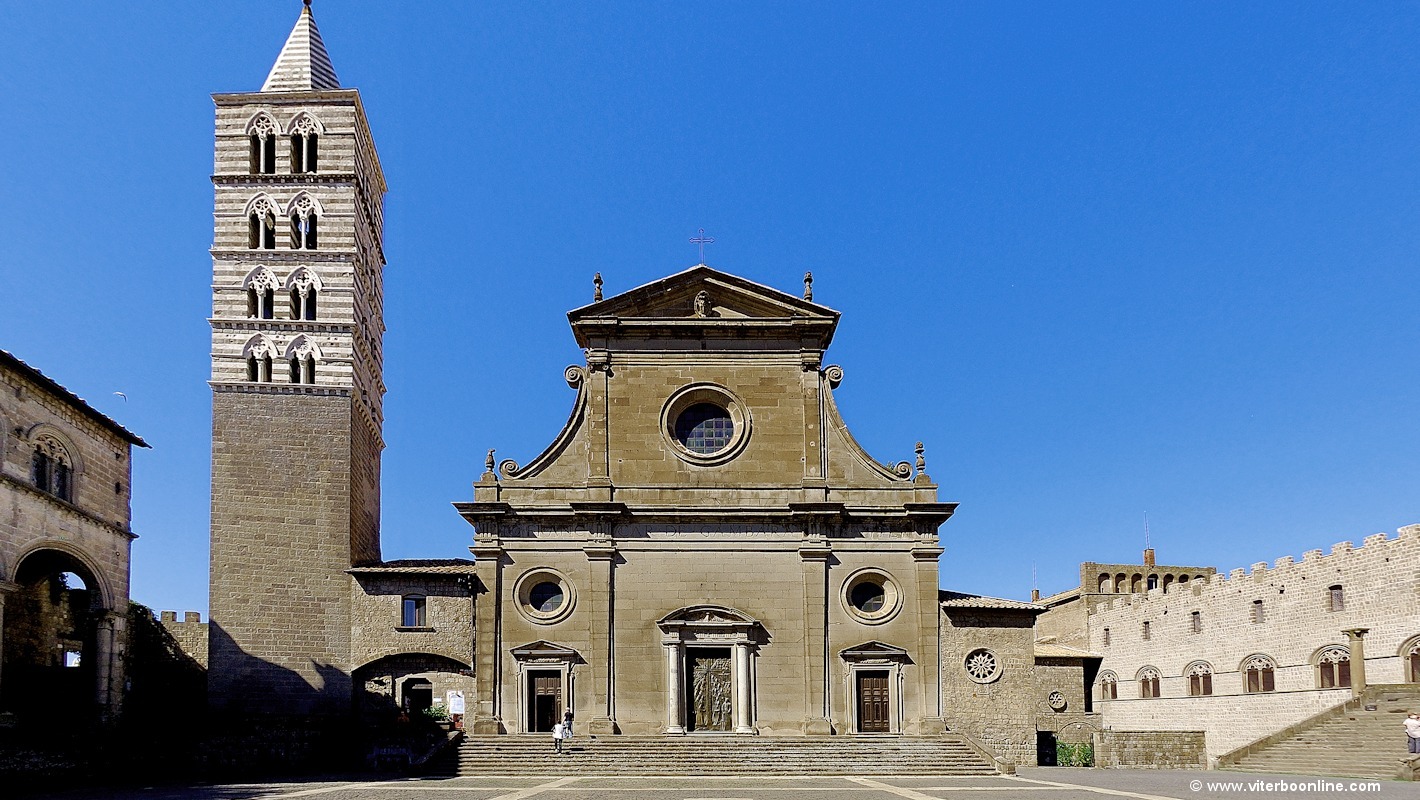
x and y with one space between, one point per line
1381 585
1160 750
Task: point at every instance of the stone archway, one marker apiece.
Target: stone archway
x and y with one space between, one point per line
710 665
58 641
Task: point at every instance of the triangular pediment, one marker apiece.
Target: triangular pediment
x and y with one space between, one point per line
544 650
703 293
874 650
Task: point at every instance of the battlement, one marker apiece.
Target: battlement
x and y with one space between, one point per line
190 633
1344 557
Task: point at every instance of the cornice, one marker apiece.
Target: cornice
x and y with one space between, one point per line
65 505
251 387
246 255
304 326
304 178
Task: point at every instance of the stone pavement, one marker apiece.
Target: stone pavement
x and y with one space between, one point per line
1032 783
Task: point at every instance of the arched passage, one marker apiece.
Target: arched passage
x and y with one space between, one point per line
407 682
57 641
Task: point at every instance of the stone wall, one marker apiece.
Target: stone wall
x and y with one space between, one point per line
1000 714
1155 749
376 619
190 634
1380 589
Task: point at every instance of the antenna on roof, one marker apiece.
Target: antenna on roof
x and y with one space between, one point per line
1034 587
1147 545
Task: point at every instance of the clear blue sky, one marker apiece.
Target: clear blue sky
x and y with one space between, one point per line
1102 258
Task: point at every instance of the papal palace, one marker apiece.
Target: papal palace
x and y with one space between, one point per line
703 554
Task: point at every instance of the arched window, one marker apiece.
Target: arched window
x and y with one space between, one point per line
1136 583
260 287
1200 679
1106 585
261 223
1148 683
1153 582
1121 584
1412 662
1182 579
1109 686
1333 668
258 353
1168 583
1260 675
1335 598
305 139
414 611
261 132
302 355
52 468
304 287
304 214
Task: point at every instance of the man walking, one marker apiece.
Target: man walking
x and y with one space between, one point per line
558 734
1412 732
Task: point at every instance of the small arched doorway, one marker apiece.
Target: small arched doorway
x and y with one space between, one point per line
57 642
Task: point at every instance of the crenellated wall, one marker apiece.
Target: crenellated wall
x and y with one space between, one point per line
190 633
1296 624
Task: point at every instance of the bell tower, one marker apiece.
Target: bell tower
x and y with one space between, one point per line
297 388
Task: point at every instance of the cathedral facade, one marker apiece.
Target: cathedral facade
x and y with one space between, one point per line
704 548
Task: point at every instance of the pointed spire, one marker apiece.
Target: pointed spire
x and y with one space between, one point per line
304 65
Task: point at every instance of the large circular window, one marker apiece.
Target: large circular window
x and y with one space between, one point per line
704 428
705 424
982 665
871 596
544 596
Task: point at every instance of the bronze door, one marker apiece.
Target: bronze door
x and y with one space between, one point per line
544 700
711 699
873 702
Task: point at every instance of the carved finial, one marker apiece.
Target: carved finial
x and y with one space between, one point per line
702 304
921 459
307 2
596 287
808 286
488 462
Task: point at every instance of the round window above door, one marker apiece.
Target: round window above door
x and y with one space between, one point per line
705 424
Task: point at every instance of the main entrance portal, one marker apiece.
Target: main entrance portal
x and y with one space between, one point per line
544 699
873 713
710 689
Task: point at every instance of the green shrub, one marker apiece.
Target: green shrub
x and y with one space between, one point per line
1075 755
437 713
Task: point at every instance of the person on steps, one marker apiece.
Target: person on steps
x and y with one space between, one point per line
1412 732
558 734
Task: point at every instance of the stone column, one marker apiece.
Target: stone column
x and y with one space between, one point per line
5 589
601 656
675 688
1355 640
103 663
743 718
487 710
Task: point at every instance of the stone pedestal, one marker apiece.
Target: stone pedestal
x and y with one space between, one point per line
816 726
603 726
484 726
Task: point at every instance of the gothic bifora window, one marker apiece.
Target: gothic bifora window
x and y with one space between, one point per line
1200 680
1334 668
304 144
51 469
261 133
1260 675
304 218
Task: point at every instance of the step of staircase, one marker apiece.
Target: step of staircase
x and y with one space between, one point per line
714 755
1352 742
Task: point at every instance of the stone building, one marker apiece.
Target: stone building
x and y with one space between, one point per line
1244 655
65 537
704 547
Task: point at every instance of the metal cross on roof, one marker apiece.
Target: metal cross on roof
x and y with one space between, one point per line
702 240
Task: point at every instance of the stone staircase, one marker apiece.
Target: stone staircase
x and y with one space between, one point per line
1347 741
713 755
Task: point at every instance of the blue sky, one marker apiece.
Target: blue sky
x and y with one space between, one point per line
1104 259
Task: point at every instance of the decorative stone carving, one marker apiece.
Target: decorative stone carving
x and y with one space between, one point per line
574 375
702 304
921 459
982 665
262 125
304 125
834 375
597 288
1057 702
808 286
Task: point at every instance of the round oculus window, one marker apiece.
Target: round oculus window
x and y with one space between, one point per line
704 428
705 424
982 665
868 597
544 596
871 596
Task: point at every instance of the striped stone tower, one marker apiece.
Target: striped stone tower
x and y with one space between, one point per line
296 382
